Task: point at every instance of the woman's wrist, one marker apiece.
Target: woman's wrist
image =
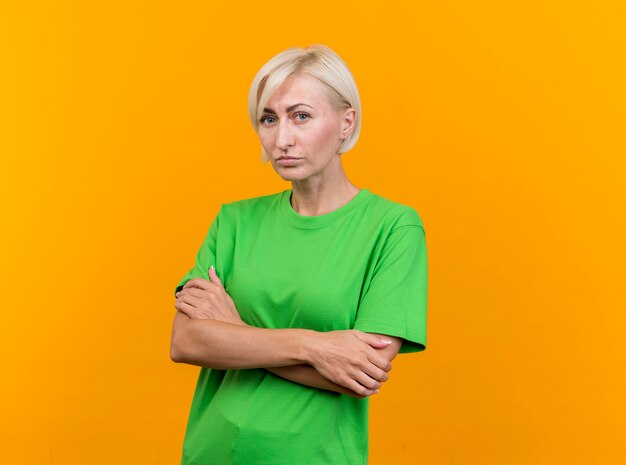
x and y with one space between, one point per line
310 343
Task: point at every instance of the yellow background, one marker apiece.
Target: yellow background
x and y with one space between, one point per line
124 126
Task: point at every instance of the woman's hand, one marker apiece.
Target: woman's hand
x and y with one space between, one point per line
203 299
349 358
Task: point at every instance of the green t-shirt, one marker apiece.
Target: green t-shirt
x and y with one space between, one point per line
362 266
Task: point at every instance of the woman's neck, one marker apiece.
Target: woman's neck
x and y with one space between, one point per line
314 199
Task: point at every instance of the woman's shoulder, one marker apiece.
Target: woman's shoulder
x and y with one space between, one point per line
250 205
394 213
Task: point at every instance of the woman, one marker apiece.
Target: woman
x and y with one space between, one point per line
299 301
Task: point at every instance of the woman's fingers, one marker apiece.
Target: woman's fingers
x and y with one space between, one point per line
209 300
199 286
196 295
200 283
346 359
360 389
375 342
372 340
188 299
367 381
199 293
214 278
187 309
379 361
357 382
375 373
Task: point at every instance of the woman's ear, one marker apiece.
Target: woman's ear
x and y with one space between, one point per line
348 122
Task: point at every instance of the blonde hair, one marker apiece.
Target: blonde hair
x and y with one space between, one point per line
319 61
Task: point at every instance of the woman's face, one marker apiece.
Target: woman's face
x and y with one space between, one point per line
300 130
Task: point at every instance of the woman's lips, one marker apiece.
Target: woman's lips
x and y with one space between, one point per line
288 161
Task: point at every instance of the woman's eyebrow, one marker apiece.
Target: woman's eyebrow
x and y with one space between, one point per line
269 110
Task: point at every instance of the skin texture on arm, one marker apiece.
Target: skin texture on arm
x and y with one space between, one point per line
223 345
309 376
207 331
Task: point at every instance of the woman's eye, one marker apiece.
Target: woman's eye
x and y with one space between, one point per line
267 119
306 116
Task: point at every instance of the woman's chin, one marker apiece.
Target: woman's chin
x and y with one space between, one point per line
290 174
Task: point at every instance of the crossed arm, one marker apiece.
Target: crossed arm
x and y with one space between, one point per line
208 331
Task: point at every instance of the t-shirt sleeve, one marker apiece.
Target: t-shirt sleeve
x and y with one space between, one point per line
395 302
205 256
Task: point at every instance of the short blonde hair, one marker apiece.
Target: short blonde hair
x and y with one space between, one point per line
319 61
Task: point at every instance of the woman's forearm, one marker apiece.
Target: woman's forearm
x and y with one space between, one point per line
348 358
309 376
218 344
221 345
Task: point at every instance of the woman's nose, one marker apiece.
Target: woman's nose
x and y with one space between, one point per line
284 138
